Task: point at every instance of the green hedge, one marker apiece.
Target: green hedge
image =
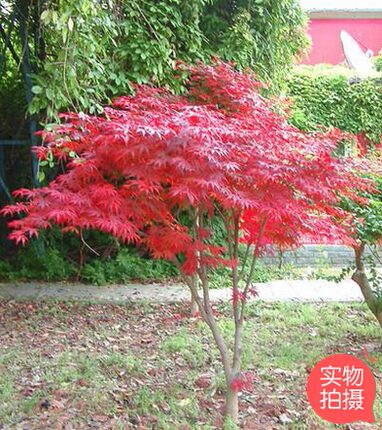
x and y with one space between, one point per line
332 96
378 62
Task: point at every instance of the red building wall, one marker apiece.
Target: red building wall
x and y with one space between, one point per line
326 43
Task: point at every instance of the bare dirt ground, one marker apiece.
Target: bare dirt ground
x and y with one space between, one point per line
70 365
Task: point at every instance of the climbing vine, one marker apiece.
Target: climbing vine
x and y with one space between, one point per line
264 35
90 51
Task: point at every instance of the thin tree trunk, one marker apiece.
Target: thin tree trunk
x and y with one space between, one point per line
232 405
200 282
193 307
359 276
232 394
205 309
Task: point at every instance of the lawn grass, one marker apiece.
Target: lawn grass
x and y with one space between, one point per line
83 366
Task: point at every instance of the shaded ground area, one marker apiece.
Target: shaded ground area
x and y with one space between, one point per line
139 366
295 290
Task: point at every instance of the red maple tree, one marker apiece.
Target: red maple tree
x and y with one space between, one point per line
219 150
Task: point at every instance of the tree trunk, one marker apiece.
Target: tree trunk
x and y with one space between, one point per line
359 277
379 318
232 405
194 307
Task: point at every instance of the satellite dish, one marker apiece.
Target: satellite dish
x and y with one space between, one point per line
354 55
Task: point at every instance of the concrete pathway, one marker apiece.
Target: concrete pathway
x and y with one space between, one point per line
309 291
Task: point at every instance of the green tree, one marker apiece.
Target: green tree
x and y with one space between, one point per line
332 97
368 232
87 52
264 35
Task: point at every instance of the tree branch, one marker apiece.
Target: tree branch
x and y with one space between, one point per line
359 276
244 262
252 269
9 45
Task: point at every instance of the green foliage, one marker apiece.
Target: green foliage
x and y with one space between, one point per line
12 103
155 34
98 50
368 225
239 44
91 51
52 265
55 258
79 74
127 266
378 62
30 264
368 217
333 97
330 96
264 34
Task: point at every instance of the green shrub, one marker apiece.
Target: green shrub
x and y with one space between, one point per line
5 271
378 62
332 96
53 264
125 267
31 264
